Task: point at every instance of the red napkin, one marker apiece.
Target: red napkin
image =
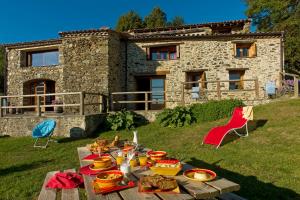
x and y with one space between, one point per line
62 180
87 171
94 156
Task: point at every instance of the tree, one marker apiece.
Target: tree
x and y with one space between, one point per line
157 18
129 21
279 15
176 21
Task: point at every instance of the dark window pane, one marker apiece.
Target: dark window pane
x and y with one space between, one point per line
245 52
234 76
238 52
154 56
163 53
173 56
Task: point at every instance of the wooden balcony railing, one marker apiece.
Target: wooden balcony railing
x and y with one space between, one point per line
78 96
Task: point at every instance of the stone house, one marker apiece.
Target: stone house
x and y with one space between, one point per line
221 60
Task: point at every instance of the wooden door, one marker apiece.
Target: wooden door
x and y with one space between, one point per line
41 87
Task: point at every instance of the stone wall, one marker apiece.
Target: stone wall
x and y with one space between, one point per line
85 61
117 66
66 125
18 73
213 55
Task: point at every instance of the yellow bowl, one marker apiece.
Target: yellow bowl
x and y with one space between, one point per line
167 171
102 162
108 179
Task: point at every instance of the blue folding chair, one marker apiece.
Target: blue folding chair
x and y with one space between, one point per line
271 88
44 129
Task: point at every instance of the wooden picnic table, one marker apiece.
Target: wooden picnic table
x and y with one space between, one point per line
189 189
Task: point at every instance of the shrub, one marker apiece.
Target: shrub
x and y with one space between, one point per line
121 120
177 117
214 110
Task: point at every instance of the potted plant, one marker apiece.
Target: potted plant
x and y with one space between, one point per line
57 109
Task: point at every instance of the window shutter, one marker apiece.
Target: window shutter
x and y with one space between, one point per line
203 78
178 51
234 49
252 50
148 55
188 78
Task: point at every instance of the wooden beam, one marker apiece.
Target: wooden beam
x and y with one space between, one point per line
296 86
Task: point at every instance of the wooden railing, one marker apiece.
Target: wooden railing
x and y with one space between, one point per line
295 82
218 90
146 100
80 96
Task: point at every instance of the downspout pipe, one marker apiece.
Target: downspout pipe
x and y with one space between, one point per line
282 58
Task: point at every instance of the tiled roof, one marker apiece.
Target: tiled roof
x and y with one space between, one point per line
101 31
195 35
190 26
32 43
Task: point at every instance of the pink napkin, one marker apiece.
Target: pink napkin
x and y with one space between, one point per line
62 180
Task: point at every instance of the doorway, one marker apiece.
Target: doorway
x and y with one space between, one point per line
38 87
154 84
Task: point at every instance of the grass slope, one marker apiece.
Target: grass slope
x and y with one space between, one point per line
265 164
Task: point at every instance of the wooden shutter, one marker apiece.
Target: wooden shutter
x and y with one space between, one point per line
252 50
148 54
188 78
234 49
178 51
203 78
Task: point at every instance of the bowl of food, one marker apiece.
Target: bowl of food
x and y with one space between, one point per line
157 155
109 178
167 167
102 162
200 174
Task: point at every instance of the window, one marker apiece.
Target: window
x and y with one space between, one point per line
195 76
244 50
42 58
236 79
163 53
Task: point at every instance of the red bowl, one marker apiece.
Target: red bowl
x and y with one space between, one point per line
157 155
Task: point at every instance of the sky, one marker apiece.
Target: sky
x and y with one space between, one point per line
42 19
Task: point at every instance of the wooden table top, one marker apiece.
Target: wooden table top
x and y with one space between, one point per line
189 189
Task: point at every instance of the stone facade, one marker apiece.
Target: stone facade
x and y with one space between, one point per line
105 61
215 57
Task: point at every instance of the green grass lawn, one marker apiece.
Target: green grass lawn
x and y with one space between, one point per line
266 164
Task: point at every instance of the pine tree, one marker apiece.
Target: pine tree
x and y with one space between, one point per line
130 20
157 18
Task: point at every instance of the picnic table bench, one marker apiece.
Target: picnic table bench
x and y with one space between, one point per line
189 189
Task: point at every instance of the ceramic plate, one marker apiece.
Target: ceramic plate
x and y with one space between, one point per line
189 174
92 167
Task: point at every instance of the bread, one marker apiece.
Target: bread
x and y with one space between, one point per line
157 182
153 180
167 184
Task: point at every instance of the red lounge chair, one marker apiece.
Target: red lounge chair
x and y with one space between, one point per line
216 135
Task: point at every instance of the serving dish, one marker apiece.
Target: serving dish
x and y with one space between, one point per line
202 175
157 155
108 179
167 167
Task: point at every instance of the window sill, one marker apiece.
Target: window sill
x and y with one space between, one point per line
244 57
164 60
49 66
